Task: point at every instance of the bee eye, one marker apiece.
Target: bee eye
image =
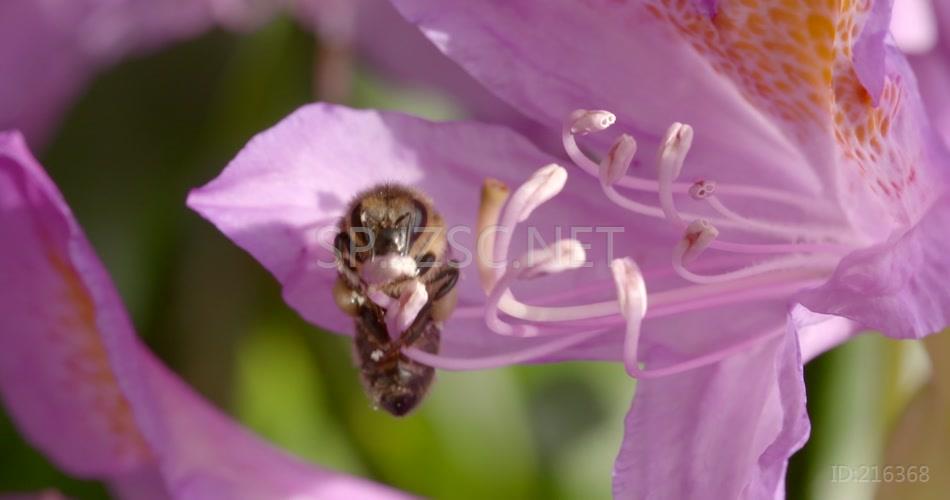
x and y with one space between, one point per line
419 220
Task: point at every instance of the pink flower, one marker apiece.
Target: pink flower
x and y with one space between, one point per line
797 195
84 390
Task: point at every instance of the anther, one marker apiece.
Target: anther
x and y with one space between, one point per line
676 143
561 256
494 195
632 297
672 154
586 121
545 184
401 313
699 235
700 190
614 166
631 287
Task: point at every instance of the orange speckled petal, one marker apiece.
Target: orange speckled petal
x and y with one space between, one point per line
799 94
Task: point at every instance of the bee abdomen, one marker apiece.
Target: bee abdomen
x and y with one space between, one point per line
392 380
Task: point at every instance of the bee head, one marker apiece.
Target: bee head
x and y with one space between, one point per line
387 221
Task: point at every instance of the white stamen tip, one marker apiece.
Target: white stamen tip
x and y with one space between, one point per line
545 184
376 355
401 314
614 166
700 190
699 235
379 297
561 256
631 287
676 143
586 121
387 268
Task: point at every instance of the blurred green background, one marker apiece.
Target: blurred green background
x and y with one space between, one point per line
146 131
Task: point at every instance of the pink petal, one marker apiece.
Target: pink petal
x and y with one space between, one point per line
206 456
281 197
823 122
914 26
84 390
49 50
723 431
898 287
933 68
933 76
550 60
819 333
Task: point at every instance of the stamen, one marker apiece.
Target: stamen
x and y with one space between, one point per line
632 297
690 247
615 164
582 122
668 302
560 256
543 185
611 169
400 314
494 195
534 353
764 281
700 190
401 311
699 235
672 154
763 227
586 121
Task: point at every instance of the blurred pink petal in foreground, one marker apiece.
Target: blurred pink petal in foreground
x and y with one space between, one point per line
84 390
50 48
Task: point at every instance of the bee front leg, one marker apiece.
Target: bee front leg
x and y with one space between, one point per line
445 280
344 261
424 264
438 307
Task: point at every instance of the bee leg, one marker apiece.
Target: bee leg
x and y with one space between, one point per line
445 280
341 244
408 337
346 298
425 263
372 320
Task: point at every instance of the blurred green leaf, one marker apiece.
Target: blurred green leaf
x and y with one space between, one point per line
920 443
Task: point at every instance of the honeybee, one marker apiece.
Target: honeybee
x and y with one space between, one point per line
391 237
